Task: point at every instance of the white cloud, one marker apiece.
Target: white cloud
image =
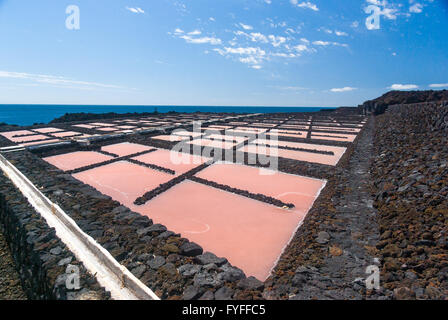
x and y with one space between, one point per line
194 33
345 89
202 40
190 37
340 33
403 86
136 10
301 47
54 80
246 26
328 43
276 40
304 4
258 37
416 8
439 85
321 43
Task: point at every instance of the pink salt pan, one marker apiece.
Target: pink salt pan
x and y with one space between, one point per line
249 233
212 143
176 161
75 160
226 136
125 148
126 127
107 129
9 134
333 136
48 130
336 129
296 127
65 134
184 133
85 126
254 130
290 133
331 160
171 138
298 190
28 144
123 181
338 151
100 124
29 138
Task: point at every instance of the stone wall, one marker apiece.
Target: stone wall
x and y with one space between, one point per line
39 255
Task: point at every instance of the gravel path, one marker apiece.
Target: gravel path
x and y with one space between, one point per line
351 237
10 287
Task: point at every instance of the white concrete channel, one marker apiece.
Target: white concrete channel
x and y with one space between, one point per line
115 278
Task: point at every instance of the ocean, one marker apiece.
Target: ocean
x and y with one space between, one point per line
26 115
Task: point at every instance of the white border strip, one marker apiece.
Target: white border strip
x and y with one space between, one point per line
115 278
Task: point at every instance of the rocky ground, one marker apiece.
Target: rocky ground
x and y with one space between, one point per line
327 258
410 186
10 287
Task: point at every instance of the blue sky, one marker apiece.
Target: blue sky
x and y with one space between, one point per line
220 52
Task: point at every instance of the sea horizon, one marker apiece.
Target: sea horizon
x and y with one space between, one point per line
19 114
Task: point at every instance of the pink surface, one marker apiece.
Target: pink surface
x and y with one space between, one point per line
269 125
126 127
47 130
106 129
10 134
297 127
299 190
29 138
249 233
336 129
86 126
123 181
333 136
288 133
228 137
213 143
171 138
244 129
331 160
26 144
186 133
219 127
125 149
100 124
75 160
177 161
65 134
338 151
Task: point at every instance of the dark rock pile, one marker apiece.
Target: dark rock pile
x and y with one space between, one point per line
410 186
379 105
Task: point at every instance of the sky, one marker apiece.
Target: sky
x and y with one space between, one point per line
317 53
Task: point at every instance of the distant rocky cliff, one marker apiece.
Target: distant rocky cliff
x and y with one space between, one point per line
379 105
